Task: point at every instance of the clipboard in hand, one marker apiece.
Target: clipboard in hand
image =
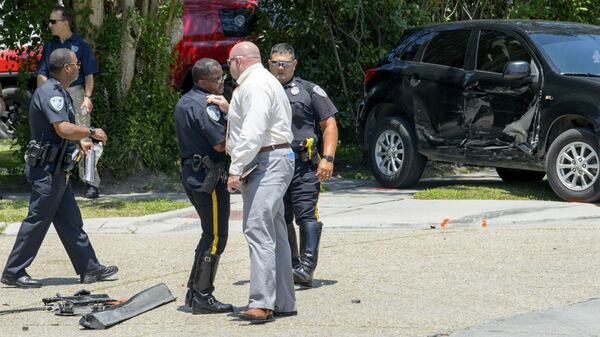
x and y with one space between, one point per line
247 172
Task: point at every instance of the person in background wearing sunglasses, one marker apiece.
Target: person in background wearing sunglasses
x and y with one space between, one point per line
312 113
61 26
200 126
48 162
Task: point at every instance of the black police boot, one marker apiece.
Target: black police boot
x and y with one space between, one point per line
203 301
310 235
293 240
91 192
99 274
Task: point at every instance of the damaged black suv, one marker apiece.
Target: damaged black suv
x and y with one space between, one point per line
520 96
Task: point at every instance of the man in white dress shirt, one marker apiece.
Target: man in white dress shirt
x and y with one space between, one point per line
260 133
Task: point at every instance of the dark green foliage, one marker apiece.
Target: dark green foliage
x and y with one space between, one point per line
140 124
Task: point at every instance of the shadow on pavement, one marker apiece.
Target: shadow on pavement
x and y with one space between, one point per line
59 281
317 283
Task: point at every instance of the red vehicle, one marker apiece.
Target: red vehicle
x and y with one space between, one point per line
10 62
209 28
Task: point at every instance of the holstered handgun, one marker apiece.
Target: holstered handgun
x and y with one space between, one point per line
215 173
71 160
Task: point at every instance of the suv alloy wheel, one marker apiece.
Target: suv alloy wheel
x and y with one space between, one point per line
393 154
573 166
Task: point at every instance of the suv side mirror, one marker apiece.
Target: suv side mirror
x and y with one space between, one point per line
516 70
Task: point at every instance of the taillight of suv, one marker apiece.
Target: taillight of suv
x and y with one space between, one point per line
369 74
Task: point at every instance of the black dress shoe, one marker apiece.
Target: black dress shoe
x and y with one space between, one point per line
98 274
209 305
22 282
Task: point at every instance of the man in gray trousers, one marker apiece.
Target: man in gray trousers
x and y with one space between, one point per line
260 134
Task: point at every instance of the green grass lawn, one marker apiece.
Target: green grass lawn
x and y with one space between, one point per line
490 191
16 210
11 169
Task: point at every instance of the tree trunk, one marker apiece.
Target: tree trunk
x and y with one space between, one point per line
128 48
153 8
97 17
144 8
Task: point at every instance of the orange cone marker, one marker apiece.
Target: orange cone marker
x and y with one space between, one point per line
484 223
444 223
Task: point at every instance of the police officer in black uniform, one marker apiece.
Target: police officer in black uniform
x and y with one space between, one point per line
200 130
50 156
313 116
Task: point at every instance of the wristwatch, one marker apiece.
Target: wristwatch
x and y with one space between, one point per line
92 130
329 158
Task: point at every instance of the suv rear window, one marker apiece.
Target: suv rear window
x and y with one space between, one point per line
448 48
496 49
238 22
410 52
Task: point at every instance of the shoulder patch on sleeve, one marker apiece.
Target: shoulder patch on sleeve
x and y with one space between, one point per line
319 91
213 112
57 103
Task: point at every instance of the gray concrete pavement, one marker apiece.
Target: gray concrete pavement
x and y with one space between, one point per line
530 272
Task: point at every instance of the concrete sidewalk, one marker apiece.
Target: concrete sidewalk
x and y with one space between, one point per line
363 204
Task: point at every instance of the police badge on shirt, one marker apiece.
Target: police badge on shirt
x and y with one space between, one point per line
57 103
213 112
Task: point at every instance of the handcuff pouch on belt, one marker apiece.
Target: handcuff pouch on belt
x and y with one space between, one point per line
216 171
306 151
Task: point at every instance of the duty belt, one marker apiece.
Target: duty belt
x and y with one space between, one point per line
195 161
273 147
306 150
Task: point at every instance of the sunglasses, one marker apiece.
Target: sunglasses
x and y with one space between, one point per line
283 64
231 59
53 21
78 64
216 79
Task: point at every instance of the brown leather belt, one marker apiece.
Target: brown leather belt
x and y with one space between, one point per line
274 147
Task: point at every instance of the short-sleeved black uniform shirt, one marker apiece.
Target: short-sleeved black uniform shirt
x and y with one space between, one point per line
310 105
199 127
50 104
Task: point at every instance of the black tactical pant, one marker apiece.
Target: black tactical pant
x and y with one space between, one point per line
52 200
213 210
302 195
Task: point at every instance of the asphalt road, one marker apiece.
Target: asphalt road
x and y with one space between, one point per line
386 268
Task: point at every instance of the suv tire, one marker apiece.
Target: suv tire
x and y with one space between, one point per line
393 154
573 166
16 103
519 176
